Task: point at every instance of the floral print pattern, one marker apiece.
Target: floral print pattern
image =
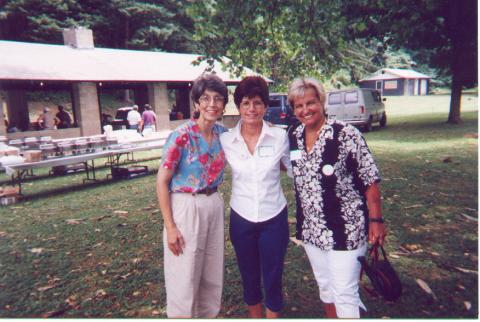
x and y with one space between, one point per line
331 207
196 164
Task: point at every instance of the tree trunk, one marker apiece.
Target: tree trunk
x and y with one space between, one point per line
455 100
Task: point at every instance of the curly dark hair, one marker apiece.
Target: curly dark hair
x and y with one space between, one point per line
251 86
210 82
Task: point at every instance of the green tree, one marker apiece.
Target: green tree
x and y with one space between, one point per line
160 24
441 33
278 38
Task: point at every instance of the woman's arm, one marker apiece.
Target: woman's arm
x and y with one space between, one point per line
285 164
175 239
377 230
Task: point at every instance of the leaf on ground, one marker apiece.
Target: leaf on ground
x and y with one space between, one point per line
461 287
3 234
468 305
469 217
72 301
36 250
292 221
447 160
464 270
51 314
296 241
100 293
155 313
125 276
424 286
102 217
412 247
413 206
45 288
136 293
74 221
120 212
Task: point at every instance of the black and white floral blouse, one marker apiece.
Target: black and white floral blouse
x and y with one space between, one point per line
330 184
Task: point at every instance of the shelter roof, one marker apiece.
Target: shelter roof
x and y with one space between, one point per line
394 73
34 61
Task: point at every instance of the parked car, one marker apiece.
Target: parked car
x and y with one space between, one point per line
361 107
279 112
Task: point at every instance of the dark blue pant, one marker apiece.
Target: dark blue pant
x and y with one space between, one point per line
260 249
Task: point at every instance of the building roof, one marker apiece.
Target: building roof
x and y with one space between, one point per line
33 61
394 73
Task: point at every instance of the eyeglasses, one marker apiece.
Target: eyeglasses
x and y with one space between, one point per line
255 104
205 99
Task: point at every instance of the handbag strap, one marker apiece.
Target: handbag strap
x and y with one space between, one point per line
373 258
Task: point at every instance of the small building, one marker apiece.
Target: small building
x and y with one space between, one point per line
397 82
82 78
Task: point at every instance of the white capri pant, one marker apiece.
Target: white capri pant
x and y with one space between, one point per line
337 273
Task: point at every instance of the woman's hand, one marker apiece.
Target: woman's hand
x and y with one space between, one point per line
175 241
377 233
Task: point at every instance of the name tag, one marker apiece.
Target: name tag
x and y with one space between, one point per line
295 155
265 151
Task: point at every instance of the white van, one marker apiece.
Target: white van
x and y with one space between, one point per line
358 106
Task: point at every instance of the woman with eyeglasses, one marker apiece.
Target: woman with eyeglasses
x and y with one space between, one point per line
258 218
337 195
193 211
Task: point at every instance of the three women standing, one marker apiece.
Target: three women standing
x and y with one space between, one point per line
337 196
193 211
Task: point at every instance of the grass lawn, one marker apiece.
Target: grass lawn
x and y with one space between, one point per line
71 250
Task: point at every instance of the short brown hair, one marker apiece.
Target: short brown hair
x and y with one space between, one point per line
209 82
249 87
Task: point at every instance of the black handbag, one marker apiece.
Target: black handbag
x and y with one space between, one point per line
381 274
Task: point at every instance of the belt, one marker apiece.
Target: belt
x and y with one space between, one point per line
206 191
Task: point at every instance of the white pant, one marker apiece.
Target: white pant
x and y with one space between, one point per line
194 279
337 274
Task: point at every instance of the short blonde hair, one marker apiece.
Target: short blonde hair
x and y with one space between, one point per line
300 85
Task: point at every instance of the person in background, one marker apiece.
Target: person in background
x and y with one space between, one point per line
46 120
259 216
134 118
338 198
193 211
149 118
64 119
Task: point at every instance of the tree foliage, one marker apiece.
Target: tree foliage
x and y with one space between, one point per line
160 24
441 33
278 38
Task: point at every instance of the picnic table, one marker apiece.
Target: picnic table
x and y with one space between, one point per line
20 171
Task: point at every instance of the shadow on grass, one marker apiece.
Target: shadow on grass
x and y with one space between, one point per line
79 187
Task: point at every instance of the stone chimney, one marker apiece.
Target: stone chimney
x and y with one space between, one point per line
81 38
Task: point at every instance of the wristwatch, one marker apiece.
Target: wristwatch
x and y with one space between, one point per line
379 220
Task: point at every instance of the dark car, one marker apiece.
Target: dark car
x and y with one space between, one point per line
279 112
120 120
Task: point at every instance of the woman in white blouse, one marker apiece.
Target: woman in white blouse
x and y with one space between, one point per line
258 219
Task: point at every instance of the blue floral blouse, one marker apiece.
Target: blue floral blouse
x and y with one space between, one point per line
196 164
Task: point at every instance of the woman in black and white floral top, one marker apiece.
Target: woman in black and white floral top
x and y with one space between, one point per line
337 195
